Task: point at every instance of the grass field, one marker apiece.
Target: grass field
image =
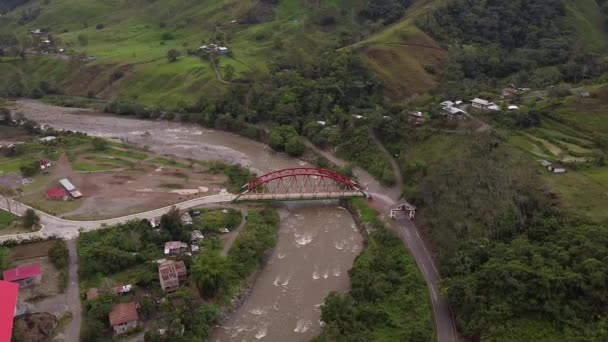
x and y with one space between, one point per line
6 219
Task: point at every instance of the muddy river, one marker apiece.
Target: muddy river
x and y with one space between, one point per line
317 243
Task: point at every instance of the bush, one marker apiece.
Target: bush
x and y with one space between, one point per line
30 169
167 36
30 219
58 254
99 26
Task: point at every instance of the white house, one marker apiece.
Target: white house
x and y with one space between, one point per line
481 103
454 113
556 168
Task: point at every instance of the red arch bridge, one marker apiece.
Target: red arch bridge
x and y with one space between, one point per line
299 184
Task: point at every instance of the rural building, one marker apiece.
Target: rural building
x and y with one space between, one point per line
447 104
416 114
407 208
36 31
154 222
480 103
175 247
556 168
120 290
27 275
123 317
56 194
454 113
45 163
47 139
186 218
70 188
170 274
8 305
222 50
92 293
195 248
196 237
513 107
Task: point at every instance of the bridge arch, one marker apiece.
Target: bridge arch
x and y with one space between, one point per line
303 183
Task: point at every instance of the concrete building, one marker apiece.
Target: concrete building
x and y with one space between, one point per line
407 208
171 274
123 317
27 275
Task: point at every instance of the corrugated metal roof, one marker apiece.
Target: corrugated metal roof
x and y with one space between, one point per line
22 272
67 185
8 301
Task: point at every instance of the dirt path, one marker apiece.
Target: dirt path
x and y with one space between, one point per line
387 154
72 332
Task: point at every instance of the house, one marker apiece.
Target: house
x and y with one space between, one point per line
556 168
123 317
480 103
56 194
186 218
222 50
47 139
175 247
446 104
196 237
44 163
454 113
170 274
26 275
70 188
8 306
195 248
92 293
407 208
458 102
494 107
120 290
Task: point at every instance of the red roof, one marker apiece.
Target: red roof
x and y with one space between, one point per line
123 313
22 272
56 193
44 161
8 301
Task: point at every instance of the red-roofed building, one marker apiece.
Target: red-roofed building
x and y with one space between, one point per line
57 194
123 317
24 275
8 302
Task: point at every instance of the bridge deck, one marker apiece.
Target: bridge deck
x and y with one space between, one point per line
249 197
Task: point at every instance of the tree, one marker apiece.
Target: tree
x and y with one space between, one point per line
172 222
172 55
4 258
210 273
30 218
30 169
294 146
100 144
229 72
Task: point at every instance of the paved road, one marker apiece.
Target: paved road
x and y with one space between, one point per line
69 229
385 199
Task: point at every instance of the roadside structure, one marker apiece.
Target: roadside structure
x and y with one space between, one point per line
56 194
8 305
407 208
484 104
70 188
27 275
123 317
171 274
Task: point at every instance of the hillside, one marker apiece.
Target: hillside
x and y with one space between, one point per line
130 40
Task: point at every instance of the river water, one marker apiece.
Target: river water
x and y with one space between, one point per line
317 242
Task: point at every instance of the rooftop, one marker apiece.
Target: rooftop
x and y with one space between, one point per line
123 313
22 272
8 301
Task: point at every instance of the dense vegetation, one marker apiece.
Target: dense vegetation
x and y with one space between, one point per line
511 261
388 300
529 42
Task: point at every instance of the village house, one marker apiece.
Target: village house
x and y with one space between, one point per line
27 275
8 305
123 317
45 163
196 237
47 139
171 274
556 168
407 208
175 247
454 113
195 248
56 194
447 104
186 218
484 104
70 188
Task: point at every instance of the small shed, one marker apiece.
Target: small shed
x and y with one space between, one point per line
175 247
557 168
56 194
